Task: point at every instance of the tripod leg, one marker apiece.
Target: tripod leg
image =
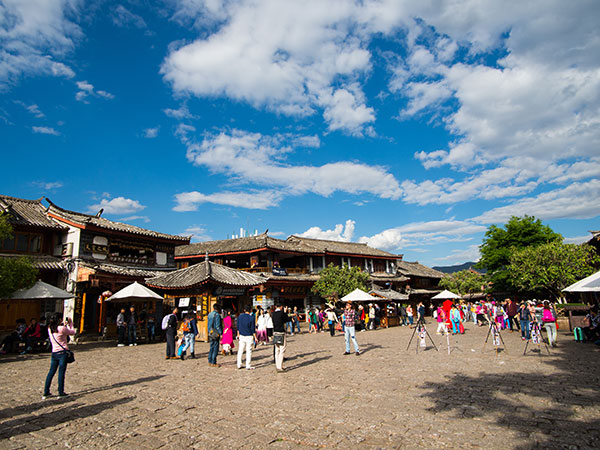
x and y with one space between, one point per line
487 337
432 343
411 338
502 340
526 344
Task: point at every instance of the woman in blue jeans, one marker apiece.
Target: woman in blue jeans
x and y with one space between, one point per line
59 334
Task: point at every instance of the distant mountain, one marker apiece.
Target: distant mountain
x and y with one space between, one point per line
459 267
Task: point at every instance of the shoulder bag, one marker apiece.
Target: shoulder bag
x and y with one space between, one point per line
70 354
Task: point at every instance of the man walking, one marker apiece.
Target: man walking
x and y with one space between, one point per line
121 328
280 319
131 324
215 330
170 326
246 336
513 311
349 330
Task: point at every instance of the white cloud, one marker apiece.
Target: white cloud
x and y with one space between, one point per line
254 158
190 201
459 256
117 205
151 133
122 17
33 109
51 185
180 113
87 89
45 130
340 232
146 219
197 233
577 239
34 36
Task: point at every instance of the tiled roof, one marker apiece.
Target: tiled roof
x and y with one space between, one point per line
349 248
197 274
42 262
100 222
378 276
139 272
389 294
244 244
23 212
417 270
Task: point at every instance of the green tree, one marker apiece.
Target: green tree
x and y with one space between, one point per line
463 282
549 268
15 273
500 243
340 281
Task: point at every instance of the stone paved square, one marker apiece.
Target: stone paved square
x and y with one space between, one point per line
132 398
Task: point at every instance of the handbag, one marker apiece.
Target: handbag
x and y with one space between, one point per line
278 338
70 354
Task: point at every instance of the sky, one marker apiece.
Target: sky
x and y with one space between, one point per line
412 126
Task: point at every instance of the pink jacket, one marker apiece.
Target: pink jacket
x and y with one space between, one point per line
60 337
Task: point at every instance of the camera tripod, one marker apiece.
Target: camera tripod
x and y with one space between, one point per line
420 327
535 336
496 336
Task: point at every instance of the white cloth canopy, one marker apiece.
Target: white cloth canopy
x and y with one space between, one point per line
358 295
134 291
445 295
41 290
588 284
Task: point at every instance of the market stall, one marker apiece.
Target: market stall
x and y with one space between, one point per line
390 316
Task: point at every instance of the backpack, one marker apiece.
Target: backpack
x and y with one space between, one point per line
165 321
578 332
548 316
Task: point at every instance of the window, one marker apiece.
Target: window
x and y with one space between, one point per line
161 258
23 243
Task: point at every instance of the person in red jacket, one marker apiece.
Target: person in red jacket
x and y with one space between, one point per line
32 334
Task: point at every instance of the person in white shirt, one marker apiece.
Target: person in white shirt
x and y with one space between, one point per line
261 327
331 320
269 324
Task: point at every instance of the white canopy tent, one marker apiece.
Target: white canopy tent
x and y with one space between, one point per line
134 291
446 295
42 291
588 284
358 295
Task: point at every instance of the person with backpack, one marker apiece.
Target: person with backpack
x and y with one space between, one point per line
549 320
169 325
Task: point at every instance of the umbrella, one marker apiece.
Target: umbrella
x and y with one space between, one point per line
358 295
589 284
134 291
41 290
445 295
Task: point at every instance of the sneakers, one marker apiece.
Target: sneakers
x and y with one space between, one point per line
131 345
346 353
47 396
63 395
120 345
357 353
250 368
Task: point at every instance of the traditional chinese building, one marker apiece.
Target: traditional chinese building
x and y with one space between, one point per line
102 256
422 280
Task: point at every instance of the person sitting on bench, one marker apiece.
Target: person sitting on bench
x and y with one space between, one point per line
592 328
15 336
32 335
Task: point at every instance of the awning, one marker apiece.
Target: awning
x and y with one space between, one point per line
134 291
588 284
41 290
358 295
446 295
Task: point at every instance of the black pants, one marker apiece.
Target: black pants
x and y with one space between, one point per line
332 328
513 319
121 330
170 342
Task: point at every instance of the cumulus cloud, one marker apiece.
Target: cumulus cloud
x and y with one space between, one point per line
151 133
35 36
180 113
117 205
259 159
190 201
87 89
341 232
122 17
457 256
45 130
197 233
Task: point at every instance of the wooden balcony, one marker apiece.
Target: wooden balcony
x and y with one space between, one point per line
269 270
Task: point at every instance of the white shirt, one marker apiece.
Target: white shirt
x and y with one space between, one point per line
269 321
261 323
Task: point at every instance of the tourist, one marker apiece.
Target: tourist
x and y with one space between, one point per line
349 330
498 313
525 320
296 321
227 339
403 316
288 325
420 313
59 334
549 320
371 316
215 331
331 320
261 328
440 316
15 336
313 321
246 336
121 328
169 324
409 315
280 318
194 330
269 324
455 319
512 311
151 327
131 326
591 326
360 324
31 335
185 333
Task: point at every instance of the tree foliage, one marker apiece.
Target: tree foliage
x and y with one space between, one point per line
500 243
340 281
15 273
549 268
463 282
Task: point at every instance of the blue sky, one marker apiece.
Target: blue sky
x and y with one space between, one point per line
412 126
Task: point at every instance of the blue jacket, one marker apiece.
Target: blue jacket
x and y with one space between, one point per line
246 325
214 322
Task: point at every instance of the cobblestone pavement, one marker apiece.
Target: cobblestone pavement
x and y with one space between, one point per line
132 398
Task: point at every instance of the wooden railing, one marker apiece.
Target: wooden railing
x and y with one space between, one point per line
269 270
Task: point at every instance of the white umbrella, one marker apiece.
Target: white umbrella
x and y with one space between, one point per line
134 291
589 284
41 290
445 295
358 295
